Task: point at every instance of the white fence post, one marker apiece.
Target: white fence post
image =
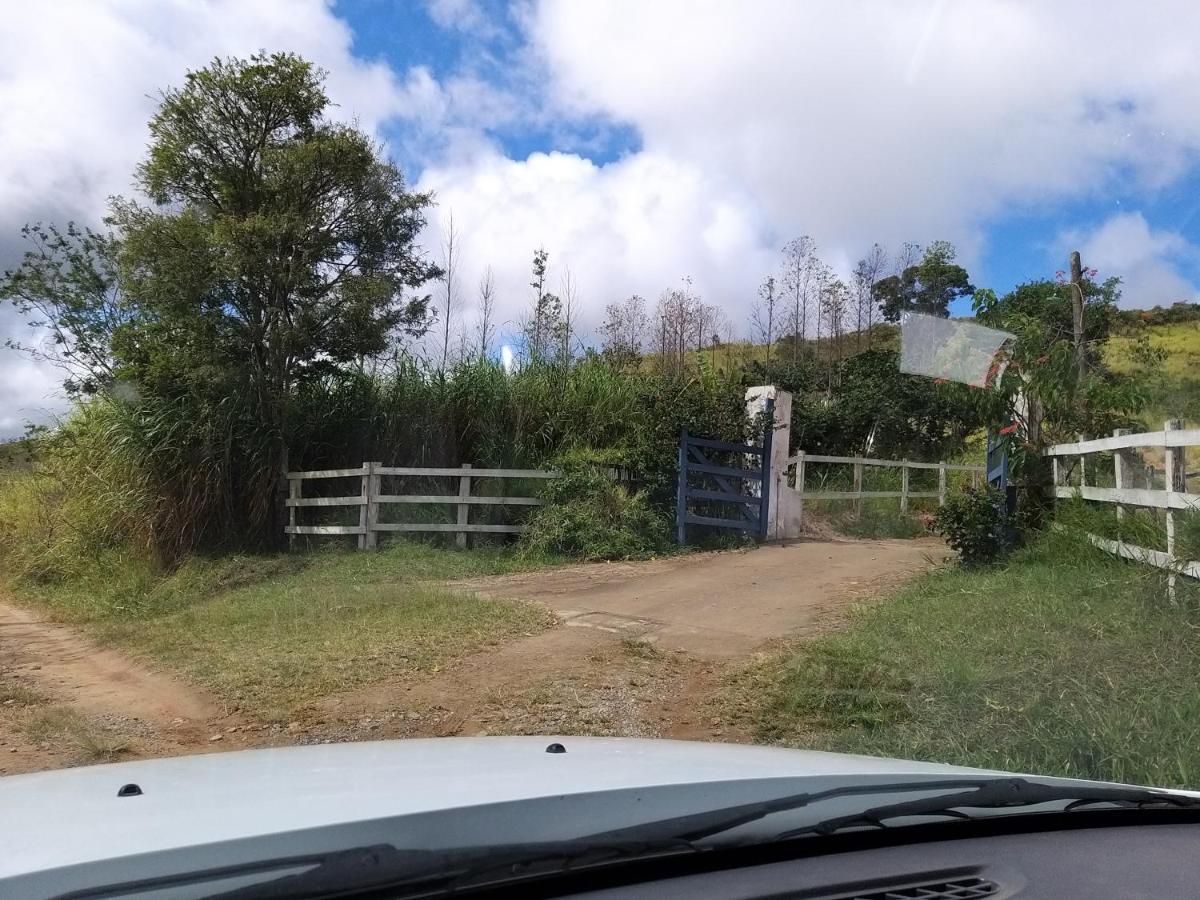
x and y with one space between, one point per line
904 486
1082 463
464 490
1119 470
941 484
1175 478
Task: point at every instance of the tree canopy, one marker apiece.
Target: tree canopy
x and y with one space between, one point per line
928 287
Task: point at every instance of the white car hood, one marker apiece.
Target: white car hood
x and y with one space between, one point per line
72 816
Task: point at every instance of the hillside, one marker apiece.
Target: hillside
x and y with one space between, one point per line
1174 385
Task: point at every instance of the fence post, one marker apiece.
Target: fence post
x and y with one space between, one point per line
800 487
903 485
1175 478
1082 463
681 491
858 488
364 506
293 494
941 484
374 489
464 490
1119 470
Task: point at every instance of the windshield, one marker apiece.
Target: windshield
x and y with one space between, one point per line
819 377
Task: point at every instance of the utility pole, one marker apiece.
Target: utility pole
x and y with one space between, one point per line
1077 311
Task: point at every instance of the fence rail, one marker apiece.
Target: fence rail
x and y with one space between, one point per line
860 463
370 498
1173 496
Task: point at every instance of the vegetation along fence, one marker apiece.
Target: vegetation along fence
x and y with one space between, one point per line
371 498
802 492
1128 469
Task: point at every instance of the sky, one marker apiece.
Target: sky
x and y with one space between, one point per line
644 143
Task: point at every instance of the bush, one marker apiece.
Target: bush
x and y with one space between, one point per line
976 523
588 515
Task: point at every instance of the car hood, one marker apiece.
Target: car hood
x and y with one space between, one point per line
72 816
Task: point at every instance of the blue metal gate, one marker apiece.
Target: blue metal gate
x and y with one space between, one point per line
731 483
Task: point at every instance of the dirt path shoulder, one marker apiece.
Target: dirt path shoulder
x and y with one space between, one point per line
65 699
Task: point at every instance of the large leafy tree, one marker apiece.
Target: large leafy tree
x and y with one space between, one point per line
928 286
278 243
270 247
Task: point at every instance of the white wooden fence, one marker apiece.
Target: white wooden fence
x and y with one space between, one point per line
857 494
371 497
1172 497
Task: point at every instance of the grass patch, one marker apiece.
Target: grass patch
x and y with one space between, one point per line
20 695
65 727
270 634
1065 661
343 619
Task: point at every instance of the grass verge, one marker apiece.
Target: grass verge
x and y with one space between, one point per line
269 635
1065 661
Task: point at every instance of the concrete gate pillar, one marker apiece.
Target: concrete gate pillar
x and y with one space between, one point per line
780 505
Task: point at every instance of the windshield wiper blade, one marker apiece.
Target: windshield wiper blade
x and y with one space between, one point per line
994 791
1003 793
695 826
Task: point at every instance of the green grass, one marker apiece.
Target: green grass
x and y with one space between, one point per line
270 634
1064 661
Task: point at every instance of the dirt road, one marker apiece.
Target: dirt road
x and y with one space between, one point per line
642 649
719 605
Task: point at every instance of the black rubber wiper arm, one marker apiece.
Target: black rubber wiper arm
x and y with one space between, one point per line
694 826
1000 793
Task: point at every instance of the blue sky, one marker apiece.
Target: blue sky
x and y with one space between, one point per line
644 143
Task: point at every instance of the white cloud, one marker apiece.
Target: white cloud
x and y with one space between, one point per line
853 122
634 226
1147 260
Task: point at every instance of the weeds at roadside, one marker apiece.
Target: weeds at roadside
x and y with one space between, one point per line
64 726
12 694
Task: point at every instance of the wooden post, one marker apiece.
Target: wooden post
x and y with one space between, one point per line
858 488
374 489
800 487
1175 482
1082 463
1077 312
942 483
1119 464
364 506
1055 476
903 485
293 494
464 490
